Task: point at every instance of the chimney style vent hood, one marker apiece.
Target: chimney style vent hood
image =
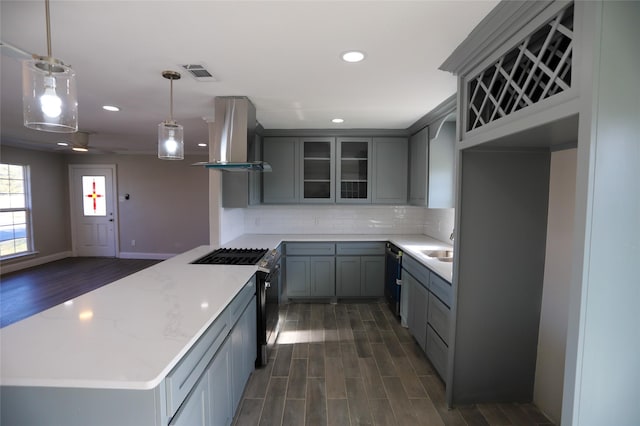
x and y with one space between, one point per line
234 133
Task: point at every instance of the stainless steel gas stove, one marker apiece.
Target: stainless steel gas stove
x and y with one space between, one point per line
267 296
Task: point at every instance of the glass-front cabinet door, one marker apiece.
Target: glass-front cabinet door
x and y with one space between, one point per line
353 170
318 168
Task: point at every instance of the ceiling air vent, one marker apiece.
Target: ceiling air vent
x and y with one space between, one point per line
199 72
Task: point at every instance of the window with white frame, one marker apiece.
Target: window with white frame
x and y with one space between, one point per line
15 211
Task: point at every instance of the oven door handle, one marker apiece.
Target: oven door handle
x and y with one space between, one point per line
267 279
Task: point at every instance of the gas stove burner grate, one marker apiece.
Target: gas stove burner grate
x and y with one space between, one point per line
225 256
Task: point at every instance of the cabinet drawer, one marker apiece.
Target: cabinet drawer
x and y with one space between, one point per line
440 288
310 249
237 305
185 375
360 248
438 317
419 271
437 352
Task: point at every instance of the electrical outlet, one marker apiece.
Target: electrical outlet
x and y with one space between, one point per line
133 243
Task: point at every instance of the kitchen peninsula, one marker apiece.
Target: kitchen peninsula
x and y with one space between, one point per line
107 357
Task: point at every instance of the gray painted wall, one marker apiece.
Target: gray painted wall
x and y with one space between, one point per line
602 378
501 255
168 209
554 315
167 213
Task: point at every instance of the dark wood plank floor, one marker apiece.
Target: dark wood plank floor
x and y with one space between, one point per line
353 364
29 291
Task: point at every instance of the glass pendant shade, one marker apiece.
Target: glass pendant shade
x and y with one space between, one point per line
170 141
49 99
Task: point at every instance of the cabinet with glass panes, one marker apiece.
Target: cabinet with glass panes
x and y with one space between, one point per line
354 171
318 168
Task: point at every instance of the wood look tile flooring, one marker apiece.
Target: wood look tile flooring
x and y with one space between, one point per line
353 364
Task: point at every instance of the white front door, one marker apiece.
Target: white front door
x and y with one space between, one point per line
93 213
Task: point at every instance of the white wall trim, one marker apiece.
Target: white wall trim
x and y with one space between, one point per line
16 266
150 256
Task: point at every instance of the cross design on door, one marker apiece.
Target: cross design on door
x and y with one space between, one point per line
94 195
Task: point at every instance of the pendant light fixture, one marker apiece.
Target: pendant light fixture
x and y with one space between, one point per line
49 99
170 133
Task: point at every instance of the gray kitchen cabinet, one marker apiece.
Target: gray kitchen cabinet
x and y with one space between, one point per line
209 403
323 276
310 276
353 170
441 181
221 386
348 276
437 352
438 317
310 270
390 160
360 269
243 349
317 169
418 161
281 185
429 315
372 276
196 409
298 276
418 309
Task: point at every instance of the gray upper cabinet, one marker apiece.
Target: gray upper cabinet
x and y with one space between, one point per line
348 170
390 158
281 186
317 170
418 160
353 170
441 167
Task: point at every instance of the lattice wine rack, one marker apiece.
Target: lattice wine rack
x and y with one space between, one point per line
538 68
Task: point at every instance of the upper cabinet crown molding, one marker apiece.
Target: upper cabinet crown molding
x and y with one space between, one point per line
505 21
440 112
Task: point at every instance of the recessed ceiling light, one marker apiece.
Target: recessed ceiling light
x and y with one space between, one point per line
352 56
63 144
337 120
79 149
110 108
202 144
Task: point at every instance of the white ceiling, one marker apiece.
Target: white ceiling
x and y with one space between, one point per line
283 55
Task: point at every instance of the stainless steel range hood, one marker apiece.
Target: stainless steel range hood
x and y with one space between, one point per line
234 132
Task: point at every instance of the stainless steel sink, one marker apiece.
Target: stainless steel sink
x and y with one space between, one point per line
441 255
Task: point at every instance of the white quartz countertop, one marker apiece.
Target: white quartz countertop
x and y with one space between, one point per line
126 335
411 244
129 334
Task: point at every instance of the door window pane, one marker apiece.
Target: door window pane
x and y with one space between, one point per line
93 195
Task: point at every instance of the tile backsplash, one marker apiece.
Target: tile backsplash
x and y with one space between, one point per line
333 219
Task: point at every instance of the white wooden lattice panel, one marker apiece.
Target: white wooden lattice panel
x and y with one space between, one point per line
537 68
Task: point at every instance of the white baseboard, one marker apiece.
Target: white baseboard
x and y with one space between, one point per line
28 263
150 256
